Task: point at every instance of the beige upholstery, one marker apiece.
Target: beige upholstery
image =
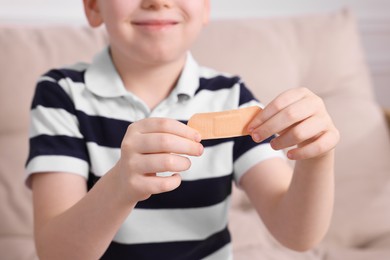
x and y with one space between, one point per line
321 52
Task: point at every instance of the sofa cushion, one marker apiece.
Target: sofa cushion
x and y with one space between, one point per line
17 248
26 53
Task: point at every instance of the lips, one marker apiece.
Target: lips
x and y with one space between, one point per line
155 23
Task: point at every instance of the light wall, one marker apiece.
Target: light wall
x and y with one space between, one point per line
70 11
373 15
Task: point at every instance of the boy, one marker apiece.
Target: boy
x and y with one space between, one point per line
101 133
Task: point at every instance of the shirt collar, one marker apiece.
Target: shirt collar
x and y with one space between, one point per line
102 78
188 81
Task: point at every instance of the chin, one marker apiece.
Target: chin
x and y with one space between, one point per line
158 58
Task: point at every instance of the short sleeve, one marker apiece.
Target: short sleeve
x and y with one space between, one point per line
246 152
55 141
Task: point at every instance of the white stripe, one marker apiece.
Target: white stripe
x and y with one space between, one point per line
254 156
46 78
205 101
206 166
53 121
252 103
73 89
102 158
216 161
219 100
166 225
211 101
87 102
66 85
225 253
53 163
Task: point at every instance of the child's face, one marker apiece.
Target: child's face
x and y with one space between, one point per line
149 30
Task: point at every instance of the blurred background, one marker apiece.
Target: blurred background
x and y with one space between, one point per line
373 17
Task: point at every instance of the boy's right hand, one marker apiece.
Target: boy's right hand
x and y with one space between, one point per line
155 145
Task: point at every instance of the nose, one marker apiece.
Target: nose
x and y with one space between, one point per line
156 4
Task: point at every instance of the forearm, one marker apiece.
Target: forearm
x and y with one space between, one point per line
86 229
304 212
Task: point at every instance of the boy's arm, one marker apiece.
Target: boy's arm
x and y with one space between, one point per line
296 207
71 223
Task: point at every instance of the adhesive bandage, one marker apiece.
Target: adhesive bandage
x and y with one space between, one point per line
230 123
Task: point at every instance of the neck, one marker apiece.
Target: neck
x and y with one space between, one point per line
150 82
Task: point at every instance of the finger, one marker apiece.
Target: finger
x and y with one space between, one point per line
156 185
167 125
287 117
152 163
317 147
167 143
299 133
282 101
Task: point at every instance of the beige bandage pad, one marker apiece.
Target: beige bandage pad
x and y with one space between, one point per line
230 123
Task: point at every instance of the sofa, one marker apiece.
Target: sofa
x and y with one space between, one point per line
319 51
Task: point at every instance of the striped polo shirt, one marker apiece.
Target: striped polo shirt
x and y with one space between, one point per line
79 116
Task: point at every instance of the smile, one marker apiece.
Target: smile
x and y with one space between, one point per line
155 24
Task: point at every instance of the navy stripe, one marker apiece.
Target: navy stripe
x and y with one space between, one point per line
217 83
243 144
50 94
91 181
190 194
110 132
187 250
214 142
58 145
74 75
102 130
245 95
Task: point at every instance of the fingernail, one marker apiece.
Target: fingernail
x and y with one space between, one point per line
201 149
272 143
198 137
256 137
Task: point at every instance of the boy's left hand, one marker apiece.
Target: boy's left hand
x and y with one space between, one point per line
300 118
